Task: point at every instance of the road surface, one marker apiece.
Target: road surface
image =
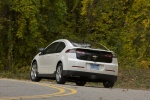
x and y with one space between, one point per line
26 90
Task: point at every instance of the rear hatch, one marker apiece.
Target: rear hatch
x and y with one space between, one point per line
94 55
92 52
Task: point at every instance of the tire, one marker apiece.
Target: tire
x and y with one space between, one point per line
108 84
33 73
80 83
59 74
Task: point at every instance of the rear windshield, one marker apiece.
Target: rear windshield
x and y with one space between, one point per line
89 45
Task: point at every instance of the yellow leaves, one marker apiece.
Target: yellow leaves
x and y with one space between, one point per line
21 27
86 4
25 7
138 4
26 16
33 26
145 64
106 17
146 22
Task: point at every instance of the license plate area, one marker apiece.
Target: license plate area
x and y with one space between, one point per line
98 67
94 66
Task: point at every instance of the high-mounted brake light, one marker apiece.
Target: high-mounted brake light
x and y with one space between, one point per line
80 52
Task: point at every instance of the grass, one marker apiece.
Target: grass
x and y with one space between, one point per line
133 78
128 78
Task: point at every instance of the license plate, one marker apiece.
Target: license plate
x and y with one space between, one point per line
94 66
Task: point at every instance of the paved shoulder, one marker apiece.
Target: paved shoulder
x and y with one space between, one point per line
15 89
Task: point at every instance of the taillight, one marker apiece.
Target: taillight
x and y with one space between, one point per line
75 51
70 51
108 55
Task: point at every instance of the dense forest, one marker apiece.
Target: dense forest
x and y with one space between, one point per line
121 25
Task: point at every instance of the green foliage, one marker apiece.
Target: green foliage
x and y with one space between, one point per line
121 25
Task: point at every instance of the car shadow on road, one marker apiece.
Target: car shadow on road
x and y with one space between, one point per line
88 84
73 84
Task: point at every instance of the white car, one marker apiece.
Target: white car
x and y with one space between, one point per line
79 62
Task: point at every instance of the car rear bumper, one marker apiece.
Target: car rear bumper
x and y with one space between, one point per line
73 64
87 76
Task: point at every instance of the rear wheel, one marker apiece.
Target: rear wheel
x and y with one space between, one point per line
59 74
33 73
108 84
80 83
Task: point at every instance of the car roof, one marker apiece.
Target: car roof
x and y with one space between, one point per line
59 40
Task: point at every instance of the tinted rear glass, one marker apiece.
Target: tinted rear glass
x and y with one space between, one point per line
93 55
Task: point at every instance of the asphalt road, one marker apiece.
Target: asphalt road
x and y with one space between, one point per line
26 90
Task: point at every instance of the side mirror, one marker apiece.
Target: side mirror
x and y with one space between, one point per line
41 50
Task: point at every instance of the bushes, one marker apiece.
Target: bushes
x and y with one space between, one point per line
16 73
